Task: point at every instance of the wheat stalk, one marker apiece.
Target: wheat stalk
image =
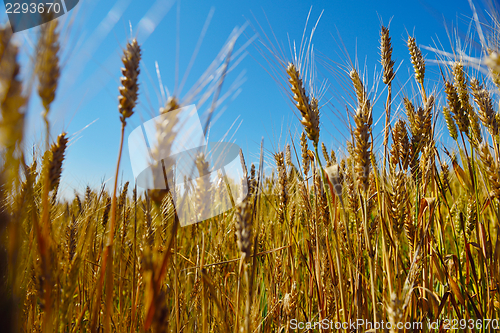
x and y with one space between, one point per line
127 101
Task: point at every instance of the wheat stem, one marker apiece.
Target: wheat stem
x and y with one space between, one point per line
337 254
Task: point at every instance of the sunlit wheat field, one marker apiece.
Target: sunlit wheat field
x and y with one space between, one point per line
361 184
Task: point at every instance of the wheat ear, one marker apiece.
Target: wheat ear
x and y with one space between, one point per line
400 149
130 87
309 111
418 62
362 133
492 170
485 104
282 186
57 151
48 64
450 123
11 103
493 63
456 108
386 55
304 155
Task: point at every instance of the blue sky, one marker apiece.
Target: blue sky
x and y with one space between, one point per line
96 31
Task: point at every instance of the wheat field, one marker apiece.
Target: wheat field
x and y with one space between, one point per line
406 236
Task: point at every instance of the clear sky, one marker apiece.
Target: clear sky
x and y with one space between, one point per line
96 31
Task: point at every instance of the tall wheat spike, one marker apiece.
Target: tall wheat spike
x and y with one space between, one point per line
130 85
127 101
386 55
363 119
